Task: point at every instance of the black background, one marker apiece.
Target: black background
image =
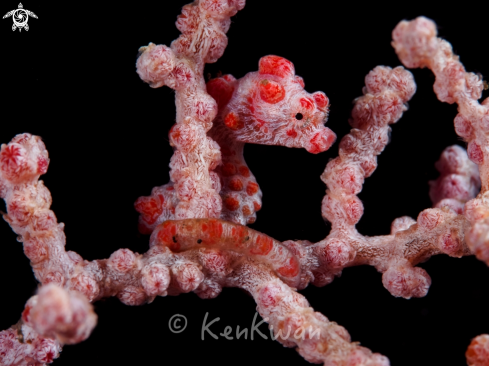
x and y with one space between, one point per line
71 79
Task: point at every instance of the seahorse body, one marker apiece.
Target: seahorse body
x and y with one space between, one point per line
270 107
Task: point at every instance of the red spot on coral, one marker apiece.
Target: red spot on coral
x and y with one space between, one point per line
291 269
150 208
475 153
228 169
246 210
235 184
478 351
231 203
170 188
221 90
275 65
271 91
42 165
292 133
244 171
13 160
233 121
256 206
45 350
262 246
300 81
251 188
307 103
321 100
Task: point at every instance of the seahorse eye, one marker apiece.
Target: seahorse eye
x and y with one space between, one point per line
299 116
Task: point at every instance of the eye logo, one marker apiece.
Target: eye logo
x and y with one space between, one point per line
20 17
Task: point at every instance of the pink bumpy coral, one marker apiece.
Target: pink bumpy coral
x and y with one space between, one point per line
478 352
198 239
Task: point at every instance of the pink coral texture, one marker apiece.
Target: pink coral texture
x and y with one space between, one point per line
199 240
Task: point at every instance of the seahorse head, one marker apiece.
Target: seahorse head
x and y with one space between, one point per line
271 107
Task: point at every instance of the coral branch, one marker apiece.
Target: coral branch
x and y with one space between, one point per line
458 182
417 46
51 318
478 352
386 92
20 345
56 313
295 324
203 24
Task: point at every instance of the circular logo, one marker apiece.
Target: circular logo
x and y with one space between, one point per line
177 323
20 17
